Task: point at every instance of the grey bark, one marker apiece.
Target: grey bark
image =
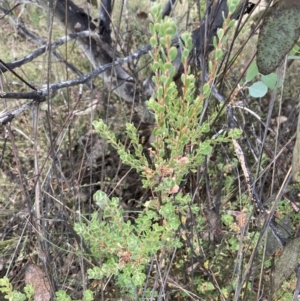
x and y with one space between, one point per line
105 20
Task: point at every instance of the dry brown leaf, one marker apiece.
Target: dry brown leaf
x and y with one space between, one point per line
241 219
166 171
174 189
142 15
35 276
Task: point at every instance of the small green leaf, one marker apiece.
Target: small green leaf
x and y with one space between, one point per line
205 148
215 42
184 55
133 242
167 209
163 41
219 54
185 36
252 71
153 42
171 30
88 295
220 33
231 8
270 80
206 90
293 57
210 66
172 53
151 25
101 199
29 291
155 66
156 9
295 49
62 295
258 89
138 278
227 219
235 133
157 27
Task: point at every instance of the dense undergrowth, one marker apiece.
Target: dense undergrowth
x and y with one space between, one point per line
174 210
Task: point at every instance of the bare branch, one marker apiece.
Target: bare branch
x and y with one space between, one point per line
9 116
36 39
41 93
36 53
97 51
101 54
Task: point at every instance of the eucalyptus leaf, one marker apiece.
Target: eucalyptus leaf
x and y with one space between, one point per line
294 57
270 80
258 89
252 71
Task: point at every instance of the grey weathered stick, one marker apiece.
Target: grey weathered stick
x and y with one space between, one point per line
297 290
